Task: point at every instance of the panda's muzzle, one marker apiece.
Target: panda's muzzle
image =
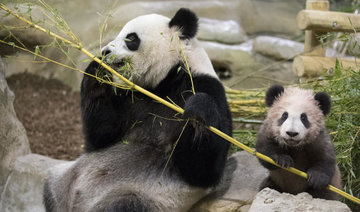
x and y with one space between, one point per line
119 64
292 142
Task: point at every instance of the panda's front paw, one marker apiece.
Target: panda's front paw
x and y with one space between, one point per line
202 108
92 67
283 160
318 179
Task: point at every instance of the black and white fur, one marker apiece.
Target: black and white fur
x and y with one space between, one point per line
294 135
129 137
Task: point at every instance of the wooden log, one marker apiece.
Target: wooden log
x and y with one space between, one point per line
312 43
328 21
322 5
313 66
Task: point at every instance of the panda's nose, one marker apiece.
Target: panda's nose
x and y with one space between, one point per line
105 52
292 134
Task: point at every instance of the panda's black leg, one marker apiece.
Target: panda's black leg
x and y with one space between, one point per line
48 199
100 111
200 155
269 183
323 194
130 203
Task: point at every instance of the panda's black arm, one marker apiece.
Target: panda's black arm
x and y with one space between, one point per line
200 155
323 160
272 149
100 112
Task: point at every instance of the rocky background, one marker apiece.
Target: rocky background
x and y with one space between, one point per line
251 44
242 37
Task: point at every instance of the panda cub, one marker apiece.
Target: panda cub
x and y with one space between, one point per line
294 135
129 137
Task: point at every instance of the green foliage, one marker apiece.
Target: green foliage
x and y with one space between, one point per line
344 123
247 137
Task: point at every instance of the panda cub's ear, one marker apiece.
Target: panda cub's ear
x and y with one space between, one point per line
186 21
324 102
272 93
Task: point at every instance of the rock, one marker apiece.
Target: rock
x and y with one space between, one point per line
13 139
271 17
30 36
241 181
277 48
237 57
245 208
23 191
228 32
254 16
21 173
33 39
279 71
271 200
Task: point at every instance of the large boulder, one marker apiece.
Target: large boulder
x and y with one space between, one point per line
277 48
37 41
271 201
24 188
21 173
241 181
228 32
238 58
271 17
13 139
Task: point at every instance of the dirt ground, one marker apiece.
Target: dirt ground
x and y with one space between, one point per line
51 115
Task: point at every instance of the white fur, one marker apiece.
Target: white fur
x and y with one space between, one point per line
295 101
293 124
159 50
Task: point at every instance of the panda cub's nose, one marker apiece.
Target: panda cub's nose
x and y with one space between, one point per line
292 134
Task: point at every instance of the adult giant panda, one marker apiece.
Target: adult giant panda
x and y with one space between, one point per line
294 134
130 137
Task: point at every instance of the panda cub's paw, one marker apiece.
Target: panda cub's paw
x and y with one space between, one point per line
202 108
283 160
318 179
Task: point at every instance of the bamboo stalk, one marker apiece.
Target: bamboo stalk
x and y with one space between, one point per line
246 101
174 107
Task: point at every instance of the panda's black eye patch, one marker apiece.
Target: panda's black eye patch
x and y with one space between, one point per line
132 41
304 119
283 118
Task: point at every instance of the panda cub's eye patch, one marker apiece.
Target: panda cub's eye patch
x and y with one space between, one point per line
132 41
283 118
304 119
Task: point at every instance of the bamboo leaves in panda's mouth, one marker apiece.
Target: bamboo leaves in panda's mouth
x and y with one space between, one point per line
123 66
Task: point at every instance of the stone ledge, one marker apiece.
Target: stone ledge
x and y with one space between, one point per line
24 185
270 201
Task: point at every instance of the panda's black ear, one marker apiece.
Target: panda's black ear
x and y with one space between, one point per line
324 102
272 93
186 21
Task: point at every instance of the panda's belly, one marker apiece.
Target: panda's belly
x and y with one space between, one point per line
137 170
289 182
